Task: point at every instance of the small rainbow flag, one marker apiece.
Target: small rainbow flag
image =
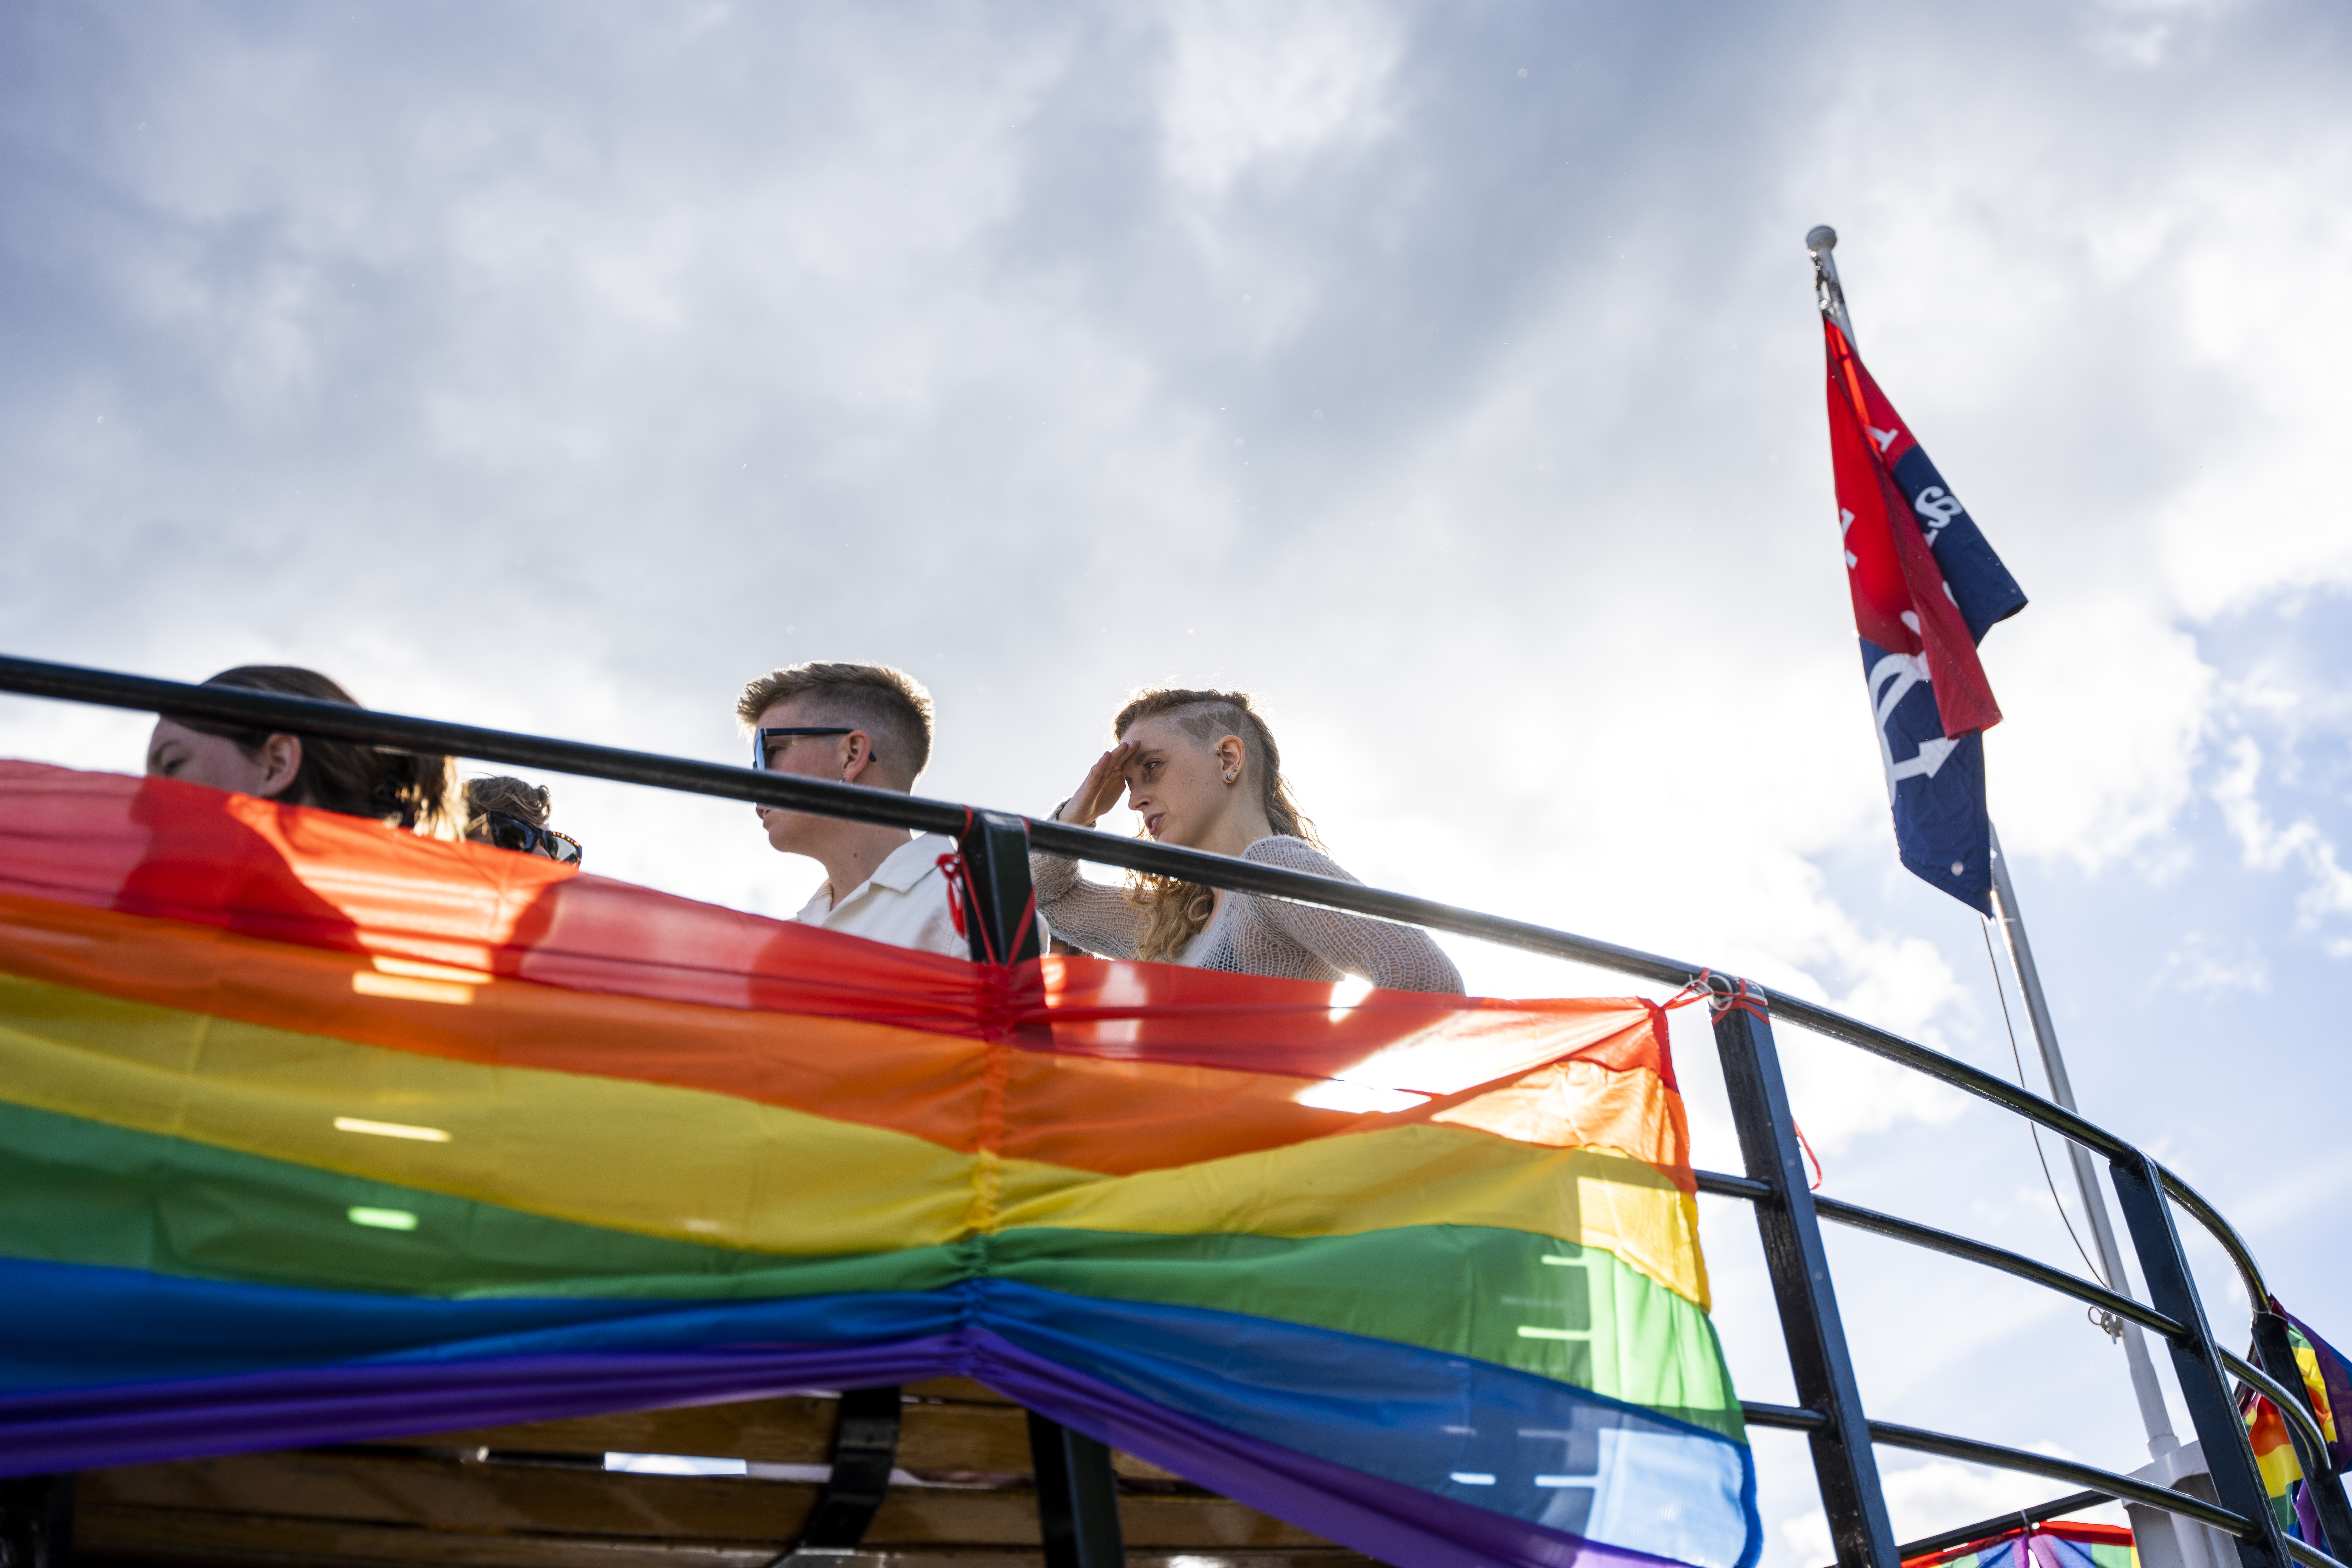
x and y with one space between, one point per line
313 1131
2041 1546
2326 1382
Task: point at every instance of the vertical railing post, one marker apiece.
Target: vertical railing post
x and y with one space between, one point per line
2196 1360
1078 1498
1077 1491
1844 1463
37 1521
2274 1354
999 921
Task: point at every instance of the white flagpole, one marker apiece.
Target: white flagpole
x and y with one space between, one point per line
2153 1411
2153 1414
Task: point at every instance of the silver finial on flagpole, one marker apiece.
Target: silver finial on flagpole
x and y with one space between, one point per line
1821 241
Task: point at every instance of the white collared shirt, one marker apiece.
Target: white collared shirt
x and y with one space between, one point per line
904 902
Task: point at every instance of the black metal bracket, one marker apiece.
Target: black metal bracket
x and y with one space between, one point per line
999 916
1843 1464
37 1521
2274 1354
865 1451
2197 1360
1078 1498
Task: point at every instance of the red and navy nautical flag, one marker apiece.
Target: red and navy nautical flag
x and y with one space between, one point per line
1926 588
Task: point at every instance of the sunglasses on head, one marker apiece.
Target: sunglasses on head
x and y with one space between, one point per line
762 740
530 838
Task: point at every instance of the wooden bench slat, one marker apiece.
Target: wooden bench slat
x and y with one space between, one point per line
126 1536
444 1494
795 1430
132 1537
962 1390
968 1438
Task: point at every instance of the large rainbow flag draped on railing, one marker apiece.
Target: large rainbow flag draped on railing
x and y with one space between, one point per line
314 1132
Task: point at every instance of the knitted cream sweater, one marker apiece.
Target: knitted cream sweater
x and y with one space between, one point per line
1252 935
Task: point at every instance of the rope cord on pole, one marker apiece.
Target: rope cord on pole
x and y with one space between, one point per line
2107 1322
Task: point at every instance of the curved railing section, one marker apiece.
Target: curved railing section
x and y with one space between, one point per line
1787 1214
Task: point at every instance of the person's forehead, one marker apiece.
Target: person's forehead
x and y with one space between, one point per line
1152 730
1161 732
168 730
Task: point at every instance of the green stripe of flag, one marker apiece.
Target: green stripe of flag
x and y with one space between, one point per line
78 1191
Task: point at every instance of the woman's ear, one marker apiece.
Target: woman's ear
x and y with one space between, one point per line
1233 757
282 764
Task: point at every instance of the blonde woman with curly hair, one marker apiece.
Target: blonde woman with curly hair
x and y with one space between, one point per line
1202 770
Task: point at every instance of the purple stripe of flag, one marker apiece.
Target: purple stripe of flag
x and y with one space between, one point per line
144 1423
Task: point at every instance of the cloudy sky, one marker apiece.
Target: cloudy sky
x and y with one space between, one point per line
1446 373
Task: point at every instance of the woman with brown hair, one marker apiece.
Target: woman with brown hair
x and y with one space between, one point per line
400 789
1202 771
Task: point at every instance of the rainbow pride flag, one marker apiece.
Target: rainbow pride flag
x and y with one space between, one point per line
2042 1546
312 1131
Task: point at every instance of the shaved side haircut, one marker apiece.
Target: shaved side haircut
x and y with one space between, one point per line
888 704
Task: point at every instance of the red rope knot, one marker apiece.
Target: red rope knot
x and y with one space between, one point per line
1727 994
950 867
958 876
952 871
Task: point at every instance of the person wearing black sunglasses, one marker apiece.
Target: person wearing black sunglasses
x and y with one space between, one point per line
512 815
863 724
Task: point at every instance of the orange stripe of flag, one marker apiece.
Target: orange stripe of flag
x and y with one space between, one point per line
1082 1111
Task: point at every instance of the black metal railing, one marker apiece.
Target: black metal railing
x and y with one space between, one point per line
1076 1484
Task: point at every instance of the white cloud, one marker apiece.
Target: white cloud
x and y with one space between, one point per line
2197 969
2141 34
1251 87
2327 889
2255 274
2106 707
